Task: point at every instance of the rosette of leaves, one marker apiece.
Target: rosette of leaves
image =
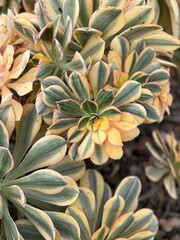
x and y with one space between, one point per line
78 31
166 161
26 183
97 215
130 19
87 113
138 62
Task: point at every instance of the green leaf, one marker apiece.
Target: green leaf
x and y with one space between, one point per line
112 210
129 189
94 49
10 228
104 98
114 3
145 59
129 92
108 20
85 12
120 225
26 229
71 9
89 107
4 136
42 181
162 42
45 152
7 116
159 75
6 162
155 174
170 185
68 167
86 202
70 107
137 110
100 234
138 15
66 225
94 181
45 70
62 125
83 34
41 221
140 77
82 221
142 220
121 45
79 85
98 76
152 113
139 31
146 96
54 94
26 131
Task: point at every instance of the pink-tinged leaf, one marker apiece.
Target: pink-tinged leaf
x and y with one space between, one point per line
6 95
6 162
79 85
113 151
99 137
127 122
4 136
75 135
86 148
19 64
15 194
7 116
114 137
129 135
24 84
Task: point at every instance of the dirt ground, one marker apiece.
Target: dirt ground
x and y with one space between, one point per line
136 155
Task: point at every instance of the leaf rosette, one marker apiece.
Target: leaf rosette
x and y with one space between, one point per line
167 161
27 185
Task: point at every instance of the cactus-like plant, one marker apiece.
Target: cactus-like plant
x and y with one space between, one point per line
166 164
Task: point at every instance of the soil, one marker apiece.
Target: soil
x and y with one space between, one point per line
136 156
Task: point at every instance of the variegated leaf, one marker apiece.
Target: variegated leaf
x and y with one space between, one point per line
138 15
26 131
45 152
71 9
112 210
4 136
62 125
129 189
94 49
79 85
66 225
120 225
70 107
7 116
82 221
140 31
68 167
100 234
85 12
6 162
155 174
136 110
129 92
108 20
152 113
104 99
98 76
44 181
162 42
86 202
170 186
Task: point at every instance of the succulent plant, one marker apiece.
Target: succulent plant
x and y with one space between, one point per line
96 214
25 180
166 161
